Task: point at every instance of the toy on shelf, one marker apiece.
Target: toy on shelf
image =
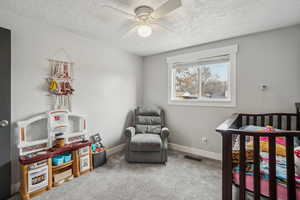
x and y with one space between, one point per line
59 140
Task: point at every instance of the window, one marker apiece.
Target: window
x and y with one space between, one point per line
205 78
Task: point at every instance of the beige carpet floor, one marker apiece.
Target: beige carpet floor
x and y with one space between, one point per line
179 179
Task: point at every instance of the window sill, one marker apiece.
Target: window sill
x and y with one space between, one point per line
201 103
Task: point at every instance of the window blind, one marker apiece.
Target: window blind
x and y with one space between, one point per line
204 61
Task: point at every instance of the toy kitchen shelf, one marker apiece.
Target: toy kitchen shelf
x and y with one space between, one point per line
38 172
46 163
56 168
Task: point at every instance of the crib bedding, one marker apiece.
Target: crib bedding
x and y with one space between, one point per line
264 174
279 140
264 171
264 144
264 164
264 187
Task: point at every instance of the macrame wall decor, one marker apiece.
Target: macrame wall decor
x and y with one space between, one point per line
60 83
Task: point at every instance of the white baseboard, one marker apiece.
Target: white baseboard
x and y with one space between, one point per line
177 147
195 151
115 149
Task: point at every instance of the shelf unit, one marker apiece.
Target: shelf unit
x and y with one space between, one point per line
28 164
56 168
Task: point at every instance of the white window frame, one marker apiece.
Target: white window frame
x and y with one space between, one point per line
230 51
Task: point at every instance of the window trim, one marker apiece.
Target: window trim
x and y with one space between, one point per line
231 51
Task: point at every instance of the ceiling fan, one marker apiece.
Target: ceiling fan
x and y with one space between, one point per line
145 16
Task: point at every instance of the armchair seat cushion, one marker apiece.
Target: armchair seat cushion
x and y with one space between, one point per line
146 142
140 128
148 120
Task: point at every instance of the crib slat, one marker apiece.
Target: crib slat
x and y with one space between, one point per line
256 169
262 121
298 122
226 166
271 120
272 168
247 120
290 167
255 120
288 122
239 121
279 121
242 167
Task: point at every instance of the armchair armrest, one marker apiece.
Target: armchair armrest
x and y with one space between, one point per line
164 132
130 132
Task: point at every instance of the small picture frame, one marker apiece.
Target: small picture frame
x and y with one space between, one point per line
84 163
97 138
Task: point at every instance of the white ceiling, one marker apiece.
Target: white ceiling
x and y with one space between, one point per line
196 22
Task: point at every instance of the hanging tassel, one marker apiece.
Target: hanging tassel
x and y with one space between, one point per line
60 83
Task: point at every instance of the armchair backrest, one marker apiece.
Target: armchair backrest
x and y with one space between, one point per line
148 119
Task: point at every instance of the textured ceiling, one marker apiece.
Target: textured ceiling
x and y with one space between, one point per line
196 22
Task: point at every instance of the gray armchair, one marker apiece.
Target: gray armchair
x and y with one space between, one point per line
147 138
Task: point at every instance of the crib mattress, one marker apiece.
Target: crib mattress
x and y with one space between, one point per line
264 186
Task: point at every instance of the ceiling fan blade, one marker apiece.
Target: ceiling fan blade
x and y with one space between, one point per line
119 11
166 8
166 28
162 26
129 31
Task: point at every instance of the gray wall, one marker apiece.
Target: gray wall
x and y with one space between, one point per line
107 80
271 58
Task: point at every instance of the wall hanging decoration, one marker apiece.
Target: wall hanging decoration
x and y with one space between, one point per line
60 83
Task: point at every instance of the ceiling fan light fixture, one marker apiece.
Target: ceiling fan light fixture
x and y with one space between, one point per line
144 30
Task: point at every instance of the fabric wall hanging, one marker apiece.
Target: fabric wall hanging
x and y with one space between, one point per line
60 83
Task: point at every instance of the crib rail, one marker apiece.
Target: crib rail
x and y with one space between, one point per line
289 123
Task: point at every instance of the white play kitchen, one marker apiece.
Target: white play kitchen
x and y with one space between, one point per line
54 148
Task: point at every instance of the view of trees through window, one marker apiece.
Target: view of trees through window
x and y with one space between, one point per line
187 82
202 81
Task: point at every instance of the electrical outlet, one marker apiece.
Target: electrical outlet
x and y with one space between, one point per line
263 87
204 140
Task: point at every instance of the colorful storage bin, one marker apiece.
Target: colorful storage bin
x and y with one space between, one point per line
57 160
61 159
67 157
